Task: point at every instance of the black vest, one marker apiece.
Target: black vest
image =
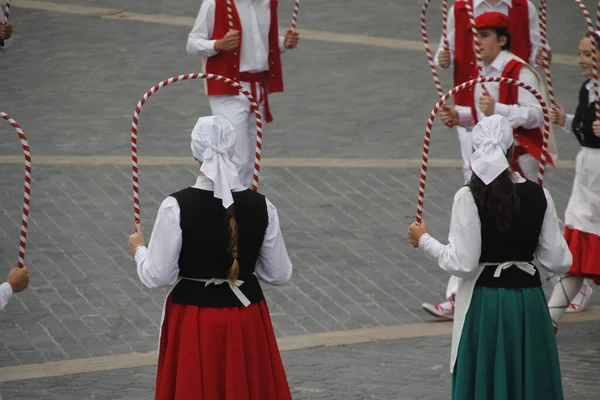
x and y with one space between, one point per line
205 251
517 245
585 115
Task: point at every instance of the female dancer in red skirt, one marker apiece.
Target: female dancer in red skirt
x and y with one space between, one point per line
582 218
210 243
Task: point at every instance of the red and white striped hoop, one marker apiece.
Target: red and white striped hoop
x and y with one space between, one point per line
6 10
545 50
294 16
424 36
26 189
595 77
154 89
440 103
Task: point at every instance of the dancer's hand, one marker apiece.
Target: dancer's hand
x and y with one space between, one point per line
596 128
449 116
558 115
444 59
18 279
230 41
291 39
539 57
136 240
5 30
415 231
487 104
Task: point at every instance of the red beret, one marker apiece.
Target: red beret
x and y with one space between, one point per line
491 20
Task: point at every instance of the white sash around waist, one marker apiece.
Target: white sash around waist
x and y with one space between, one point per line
233 285
522 265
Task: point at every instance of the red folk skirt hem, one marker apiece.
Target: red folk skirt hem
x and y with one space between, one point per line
585 248
219 354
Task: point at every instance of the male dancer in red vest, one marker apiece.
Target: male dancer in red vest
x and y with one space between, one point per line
526 44
249 54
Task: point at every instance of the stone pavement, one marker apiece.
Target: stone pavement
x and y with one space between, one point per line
74 94
413 369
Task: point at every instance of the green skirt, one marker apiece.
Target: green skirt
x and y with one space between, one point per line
507 349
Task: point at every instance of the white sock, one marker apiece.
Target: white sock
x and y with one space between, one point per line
566 288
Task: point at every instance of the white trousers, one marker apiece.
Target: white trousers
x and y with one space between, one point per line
237 110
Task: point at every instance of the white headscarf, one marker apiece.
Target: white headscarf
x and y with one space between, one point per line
212 143
492 137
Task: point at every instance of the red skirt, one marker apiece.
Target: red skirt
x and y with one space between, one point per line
219 354
585 248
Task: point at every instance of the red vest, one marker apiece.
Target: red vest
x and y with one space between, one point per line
465 67
227 63
530 139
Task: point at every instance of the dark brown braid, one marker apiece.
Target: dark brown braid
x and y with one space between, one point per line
234 271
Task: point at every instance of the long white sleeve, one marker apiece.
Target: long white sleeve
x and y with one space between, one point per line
460 257
528 113
568 126
553 251
158 264
273 266
6 294
199 41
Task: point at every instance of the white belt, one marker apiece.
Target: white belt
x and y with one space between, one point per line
524 266
233 285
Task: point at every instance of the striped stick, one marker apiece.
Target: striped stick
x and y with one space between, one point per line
590 26
158 86
230 14
445 24
476 44
295 15
26 188
440 103
546 50
6 10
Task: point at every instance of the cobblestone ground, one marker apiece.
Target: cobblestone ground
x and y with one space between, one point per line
413 369
72 81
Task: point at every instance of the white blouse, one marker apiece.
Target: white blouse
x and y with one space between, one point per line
460 257
158 264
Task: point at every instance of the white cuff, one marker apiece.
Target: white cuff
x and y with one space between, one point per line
501 109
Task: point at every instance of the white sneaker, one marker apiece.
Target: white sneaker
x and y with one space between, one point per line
581 299
443 310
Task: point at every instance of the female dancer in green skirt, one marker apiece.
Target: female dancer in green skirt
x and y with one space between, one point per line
503 345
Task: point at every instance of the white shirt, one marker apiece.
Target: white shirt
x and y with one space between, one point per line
158 264
527 114
460 257
6 294
255 17
6 41
568 126
482 7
